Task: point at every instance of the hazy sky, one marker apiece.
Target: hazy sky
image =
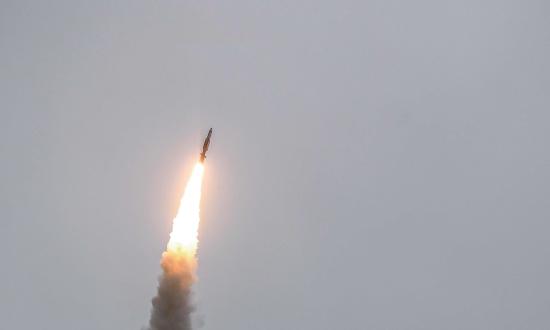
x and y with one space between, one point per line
375 165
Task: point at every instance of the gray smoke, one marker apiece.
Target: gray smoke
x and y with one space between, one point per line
172 306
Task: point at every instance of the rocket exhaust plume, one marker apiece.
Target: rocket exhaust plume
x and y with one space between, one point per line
172 305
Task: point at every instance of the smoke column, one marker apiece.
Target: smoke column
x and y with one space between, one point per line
172 305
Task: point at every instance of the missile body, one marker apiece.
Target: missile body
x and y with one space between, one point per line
205 146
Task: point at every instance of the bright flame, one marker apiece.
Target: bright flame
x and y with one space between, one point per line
184 236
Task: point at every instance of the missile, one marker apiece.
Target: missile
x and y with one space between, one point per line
205 146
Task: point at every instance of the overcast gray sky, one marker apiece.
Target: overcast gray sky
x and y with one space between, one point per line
375 165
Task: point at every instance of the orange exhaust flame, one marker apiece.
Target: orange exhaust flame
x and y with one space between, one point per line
172 305
185 228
